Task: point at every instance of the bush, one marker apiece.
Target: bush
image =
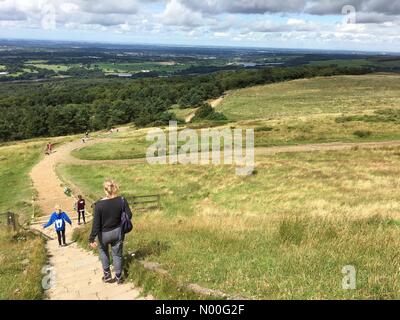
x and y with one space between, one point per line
264 129
362 133
206 112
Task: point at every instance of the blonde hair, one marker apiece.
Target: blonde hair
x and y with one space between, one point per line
110 188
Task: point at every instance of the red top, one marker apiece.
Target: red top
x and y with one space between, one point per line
81 205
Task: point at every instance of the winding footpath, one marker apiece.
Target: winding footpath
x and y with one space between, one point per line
77 272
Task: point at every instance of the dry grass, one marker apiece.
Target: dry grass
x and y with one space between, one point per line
342 94
284 233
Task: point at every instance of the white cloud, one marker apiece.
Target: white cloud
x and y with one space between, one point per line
176 14
231 20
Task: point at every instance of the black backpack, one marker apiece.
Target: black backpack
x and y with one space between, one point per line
126 223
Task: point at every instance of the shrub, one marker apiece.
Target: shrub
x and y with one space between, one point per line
206 112
264 129
362 133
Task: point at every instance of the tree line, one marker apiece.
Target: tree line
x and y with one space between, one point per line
72 106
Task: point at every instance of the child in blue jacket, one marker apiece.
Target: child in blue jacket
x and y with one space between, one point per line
58 218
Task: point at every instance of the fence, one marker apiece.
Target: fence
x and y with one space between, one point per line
143 203
12 220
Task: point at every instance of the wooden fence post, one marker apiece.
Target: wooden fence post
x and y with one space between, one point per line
11 220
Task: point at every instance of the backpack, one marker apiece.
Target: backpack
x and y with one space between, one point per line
126 223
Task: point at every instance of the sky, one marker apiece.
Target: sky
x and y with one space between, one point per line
365 25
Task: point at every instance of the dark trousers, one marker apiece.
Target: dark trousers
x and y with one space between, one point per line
61 235
81 212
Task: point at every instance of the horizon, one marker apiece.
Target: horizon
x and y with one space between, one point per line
209 46
346 25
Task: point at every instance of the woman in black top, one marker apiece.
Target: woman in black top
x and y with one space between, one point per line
107 227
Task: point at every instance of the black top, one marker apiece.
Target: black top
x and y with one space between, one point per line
107 215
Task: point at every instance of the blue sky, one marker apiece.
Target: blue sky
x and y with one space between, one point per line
313 24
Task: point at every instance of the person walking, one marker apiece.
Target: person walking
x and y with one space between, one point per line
107 228
59 217
80 208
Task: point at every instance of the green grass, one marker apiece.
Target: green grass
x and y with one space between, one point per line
277 132
284 233
53 67
22 256
343 94
182 114
321 129
121 149
15 164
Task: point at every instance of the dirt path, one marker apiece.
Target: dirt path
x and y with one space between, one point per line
259 152
77 272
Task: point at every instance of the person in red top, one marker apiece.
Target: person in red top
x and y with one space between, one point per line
80 207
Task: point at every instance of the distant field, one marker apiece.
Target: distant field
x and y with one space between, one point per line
344 94
137 67
53 67
285 232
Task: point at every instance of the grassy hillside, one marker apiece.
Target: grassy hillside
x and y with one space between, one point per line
22 256
285 232
344 94
332 109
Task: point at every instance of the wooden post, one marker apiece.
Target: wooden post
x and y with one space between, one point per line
33 207
11 220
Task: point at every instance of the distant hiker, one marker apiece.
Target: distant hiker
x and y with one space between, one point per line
107 227
87 134
58 218
49 148
80 208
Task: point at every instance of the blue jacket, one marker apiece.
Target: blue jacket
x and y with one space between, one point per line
59 220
